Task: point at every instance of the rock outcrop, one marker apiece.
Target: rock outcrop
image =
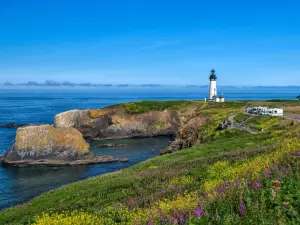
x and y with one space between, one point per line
114 122
47 145
187 136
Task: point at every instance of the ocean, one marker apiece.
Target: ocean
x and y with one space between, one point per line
40 105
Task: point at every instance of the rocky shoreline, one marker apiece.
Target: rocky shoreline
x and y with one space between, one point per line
47 162
65 142
17 125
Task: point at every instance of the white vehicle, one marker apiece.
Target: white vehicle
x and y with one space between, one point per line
275 112
265 111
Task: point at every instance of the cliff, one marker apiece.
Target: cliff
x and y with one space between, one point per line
114 122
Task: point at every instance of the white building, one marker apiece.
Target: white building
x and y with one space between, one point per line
213 96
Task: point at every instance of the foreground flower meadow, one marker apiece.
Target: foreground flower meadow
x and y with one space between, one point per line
262 189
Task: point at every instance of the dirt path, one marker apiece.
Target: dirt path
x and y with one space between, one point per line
241 126
292 116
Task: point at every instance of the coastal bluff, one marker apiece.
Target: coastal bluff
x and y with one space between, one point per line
115 123
66 141
48 145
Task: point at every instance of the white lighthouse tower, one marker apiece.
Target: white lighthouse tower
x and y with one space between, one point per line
212 85
213 96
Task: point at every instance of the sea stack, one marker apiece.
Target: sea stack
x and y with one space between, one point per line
47 145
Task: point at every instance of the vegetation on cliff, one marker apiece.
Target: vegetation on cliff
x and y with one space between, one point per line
146 106
233 177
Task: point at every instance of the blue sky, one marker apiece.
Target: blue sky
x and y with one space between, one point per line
140 41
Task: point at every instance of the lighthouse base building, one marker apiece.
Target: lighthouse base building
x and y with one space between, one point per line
213 96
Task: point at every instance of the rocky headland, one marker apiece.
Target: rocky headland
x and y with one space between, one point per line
66 142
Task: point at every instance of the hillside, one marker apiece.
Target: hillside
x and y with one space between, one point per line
220 176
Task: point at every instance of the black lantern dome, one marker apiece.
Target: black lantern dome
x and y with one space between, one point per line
213 76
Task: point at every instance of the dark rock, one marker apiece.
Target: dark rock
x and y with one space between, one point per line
46 162
124 160
13 125
18 125
110 145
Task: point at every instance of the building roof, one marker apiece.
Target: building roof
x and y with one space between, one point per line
212 76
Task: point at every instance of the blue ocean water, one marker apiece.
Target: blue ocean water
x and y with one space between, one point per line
18 185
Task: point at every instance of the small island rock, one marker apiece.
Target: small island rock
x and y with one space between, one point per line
110 145
124 160
47 145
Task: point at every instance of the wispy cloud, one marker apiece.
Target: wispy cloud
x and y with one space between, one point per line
159 45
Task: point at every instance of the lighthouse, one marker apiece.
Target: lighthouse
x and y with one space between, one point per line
213 96
212 85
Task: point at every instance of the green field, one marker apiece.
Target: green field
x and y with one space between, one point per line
233 177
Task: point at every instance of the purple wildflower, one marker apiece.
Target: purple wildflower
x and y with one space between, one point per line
298 154
225 185
199 212
256 185
181 219
276 167
242 208
162 218
174 219
285 169
267 173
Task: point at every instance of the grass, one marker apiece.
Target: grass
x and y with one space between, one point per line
172 184
146 106
241 117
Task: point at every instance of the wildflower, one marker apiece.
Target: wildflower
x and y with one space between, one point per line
298 154
242 208
285 169
162 218
225 185
267 173
174 219
199 212
276 167
181 219
256 185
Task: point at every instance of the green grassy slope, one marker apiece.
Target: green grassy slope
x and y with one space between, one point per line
181 186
